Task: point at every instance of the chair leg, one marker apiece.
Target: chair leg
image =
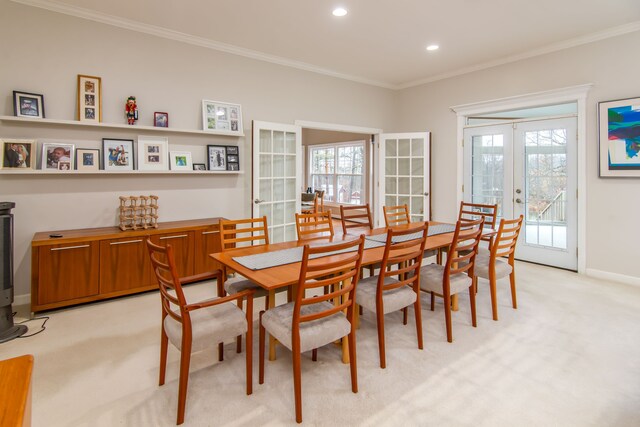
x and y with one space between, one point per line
261 351
404 315
418 313
297 385
447 316
164 341
220 352
494 295
433 301
380 321
353 367
185 360
239 337
512 279
314 355
472 300
249 345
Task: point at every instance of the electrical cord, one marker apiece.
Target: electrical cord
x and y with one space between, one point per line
42 327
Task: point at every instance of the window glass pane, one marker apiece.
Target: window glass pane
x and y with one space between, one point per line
322 160
278 214
265 210
391 148
417 205
417 166
278 190
391 186
265 190
290 165
351 159
324 182
417 147
390 201
390 166
350 189
290 142
404 185
265 141
265 165
290 192
278 165
417 185
278 141
404 147
290 212
404 167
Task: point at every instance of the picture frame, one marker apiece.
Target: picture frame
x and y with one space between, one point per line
87 159
222 117
233 158
29 105
180 160
160 119
217 157
619 138
57 156
153 153
199 167
89 98
233 166
17 153
117 154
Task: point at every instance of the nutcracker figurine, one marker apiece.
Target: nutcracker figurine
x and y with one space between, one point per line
132 110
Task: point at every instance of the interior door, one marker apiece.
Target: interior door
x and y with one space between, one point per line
404 174
277 177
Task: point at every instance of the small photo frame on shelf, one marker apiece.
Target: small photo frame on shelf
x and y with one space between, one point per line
221 116
153 153
199 167
180 160
161 120
233 158
619 138
17 153
89 99
87 159
30 105
217 157
117 154
57 156
233 166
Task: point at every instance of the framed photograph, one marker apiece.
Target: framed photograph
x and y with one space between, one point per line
221 116
161 120
180 160
29 105
619 138
87 159
153 153
57 156
199 167
233 166
17 153
89 99
217 157
232 149
117 154
232 158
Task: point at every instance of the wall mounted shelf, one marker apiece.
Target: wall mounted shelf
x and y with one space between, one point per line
14 171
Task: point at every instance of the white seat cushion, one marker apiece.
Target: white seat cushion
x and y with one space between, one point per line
209 326
278 322
481 266
235 286
392 300
431 280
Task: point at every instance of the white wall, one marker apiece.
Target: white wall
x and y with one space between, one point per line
43 52
612 204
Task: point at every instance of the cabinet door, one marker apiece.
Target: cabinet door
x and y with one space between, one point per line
67 272
206 242
183 249
125 265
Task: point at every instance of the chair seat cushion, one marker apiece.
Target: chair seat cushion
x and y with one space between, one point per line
431 277
392 300
209 326
278 322
481 266
235 286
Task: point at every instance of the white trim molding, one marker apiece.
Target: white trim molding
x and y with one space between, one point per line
614 277
306 124
24 299
576 94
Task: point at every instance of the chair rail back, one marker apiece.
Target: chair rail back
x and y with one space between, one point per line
472 211
406 255
314 225
355 216
251 230
504 244
166 273
396 215
464 247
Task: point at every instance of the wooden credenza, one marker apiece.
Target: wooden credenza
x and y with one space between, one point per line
97 263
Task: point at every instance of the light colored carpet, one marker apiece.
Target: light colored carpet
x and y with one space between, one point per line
569 356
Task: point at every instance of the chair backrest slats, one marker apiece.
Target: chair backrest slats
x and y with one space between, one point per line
352 216
470 212
164 267
251 230
505 241
396 215
464 247
408 254
314 225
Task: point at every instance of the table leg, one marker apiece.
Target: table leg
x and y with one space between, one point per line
272 340
454 302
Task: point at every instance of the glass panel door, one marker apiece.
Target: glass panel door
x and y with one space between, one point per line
277 173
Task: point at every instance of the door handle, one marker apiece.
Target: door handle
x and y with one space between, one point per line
426 194
519 201
258 201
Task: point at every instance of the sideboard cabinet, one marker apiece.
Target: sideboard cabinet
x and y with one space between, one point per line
98 263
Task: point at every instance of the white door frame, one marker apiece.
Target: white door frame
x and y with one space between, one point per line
576 94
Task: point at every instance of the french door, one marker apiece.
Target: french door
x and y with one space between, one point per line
530 169
404 174
277 177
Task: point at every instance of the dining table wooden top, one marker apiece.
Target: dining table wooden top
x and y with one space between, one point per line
288 274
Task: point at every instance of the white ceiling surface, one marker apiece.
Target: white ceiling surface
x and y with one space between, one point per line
380 42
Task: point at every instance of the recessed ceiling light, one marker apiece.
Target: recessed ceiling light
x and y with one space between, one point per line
339 11
433 47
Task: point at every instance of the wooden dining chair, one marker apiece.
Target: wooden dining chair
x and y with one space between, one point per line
309 323
355 216
195 326
319 200
396 289
473 211
490 264
310 201
314 226
457 274
396 215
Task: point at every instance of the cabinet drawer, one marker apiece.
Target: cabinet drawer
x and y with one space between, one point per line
183 249
206 242
125 264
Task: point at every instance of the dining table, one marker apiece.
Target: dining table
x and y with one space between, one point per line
277 265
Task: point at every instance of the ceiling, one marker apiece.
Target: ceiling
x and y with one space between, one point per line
380 42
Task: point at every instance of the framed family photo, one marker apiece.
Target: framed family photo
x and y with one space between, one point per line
233 158
87 159
619 137
161 120
221 116
153 153
180 160
17 153
217 157
199 167
89 99
117 154
57 157
30 105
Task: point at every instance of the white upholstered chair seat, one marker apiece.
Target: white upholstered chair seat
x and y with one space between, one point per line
313 334
233 287
431 280
481 267
393 300
209 326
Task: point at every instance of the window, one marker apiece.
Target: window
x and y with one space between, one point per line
338 169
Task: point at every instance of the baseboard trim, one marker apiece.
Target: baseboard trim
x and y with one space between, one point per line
24 299
615 277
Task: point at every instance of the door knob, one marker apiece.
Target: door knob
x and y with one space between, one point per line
518 191
426 194
258 201
518 201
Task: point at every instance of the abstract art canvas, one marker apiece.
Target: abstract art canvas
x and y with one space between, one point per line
619 132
